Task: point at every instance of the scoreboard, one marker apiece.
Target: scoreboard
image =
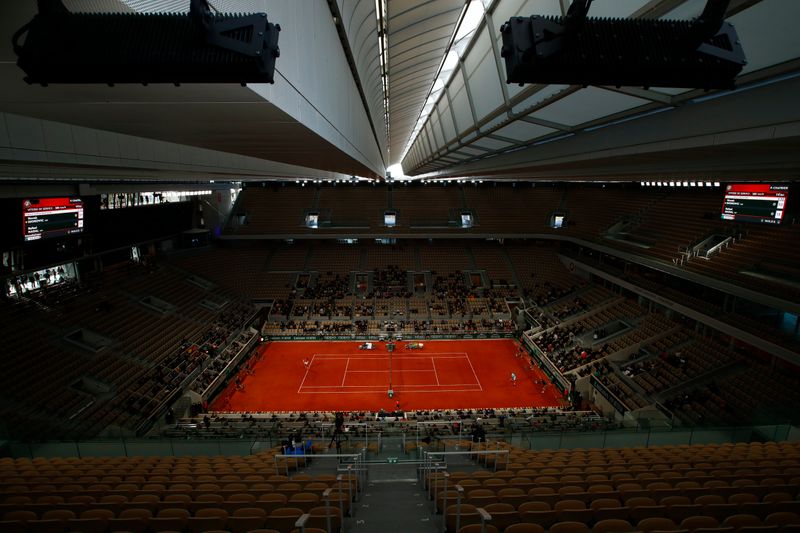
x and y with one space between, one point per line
51 217
755 202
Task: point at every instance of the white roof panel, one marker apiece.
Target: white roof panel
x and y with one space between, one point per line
418 34
586 105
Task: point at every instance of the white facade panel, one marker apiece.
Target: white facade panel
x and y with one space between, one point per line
446 119
487 94
587 104
313 82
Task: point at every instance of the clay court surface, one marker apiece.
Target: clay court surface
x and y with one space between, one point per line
340 376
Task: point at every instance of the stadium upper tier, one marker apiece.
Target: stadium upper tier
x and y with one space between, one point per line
663 225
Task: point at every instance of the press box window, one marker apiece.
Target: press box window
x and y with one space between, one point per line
312 220
390 219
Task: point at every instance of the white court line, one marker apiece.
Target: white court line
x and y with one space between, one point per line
344 376
378 388
369 386
306 374
383 390
386 371
474 373
335 357
384 355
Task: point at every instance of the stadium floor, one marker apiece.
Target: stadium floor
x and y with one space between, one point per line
339 376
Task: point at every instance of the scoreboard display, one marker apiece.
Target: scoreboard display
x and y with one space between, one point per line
755 202
51 217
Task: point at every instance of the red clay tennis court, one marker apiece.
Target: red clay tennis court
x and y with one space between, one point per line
331 376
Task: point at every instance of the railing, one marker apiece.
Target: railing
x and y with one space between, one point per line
230 367
351 464
523 437
436 462
615 402
547 365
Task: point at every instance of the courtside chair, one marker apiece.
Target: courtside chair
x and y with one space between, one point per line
340 500
270 502
670 501
644 507
699 522
445 498
304 501
782 518
170 519
573 511
133 520
612 525
246 519
656 523
512 495
90 521
521 482
478 528
468 515
569 527
524 528
320 516
503 515
177 500
544 494
608 508
148 501
283 519
481 497
538 513
207 519
50 499
738 521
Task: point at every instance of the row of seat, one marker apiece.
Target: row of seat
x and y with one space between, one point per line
141 520
503 517
117 502
605 508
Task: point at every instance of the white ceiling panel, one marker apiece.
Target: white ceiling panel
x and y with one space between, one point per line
523 131
688 10
539 96
419 32
768 32
586 105
491 144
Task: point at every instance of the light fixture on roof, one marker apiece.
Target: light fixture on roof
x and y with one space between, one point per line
703 53
196 47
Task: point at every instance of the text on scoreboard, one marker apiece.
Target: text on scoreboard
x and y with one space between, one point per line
51 217
755 202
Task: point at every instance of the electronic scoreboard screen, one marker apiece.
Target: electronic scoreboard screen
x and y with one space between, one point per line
51 217
755 202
